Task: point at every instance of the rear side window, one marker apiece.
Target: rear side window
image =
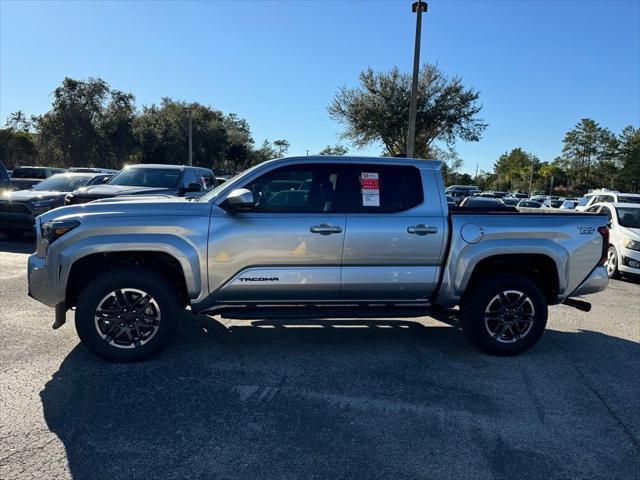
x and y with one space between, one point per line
380 189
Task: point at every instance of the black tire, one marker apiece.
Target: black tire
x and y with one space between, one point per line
612 263
524 326
164 300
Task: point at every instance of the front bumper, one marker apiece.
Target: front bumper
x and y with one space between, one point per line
42 286
627 261
597 281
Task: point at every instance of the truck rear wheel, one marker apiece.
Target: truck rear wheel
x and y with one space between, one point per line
127 315
504 313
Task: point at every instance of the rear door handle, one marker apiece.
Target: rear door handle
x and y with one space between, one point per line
422 229
325 229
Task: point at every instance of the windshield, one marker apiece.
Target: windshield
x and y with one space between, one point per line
148 177
634 199
583 201
29 173
629 217
62 183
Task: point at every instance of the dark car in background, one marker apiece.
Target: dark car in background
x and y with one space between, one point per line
149 179
5 180
26 177
460 192
529 203
19 208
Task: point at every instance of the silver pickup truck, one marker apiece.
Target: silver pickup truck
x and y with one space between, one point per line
312 237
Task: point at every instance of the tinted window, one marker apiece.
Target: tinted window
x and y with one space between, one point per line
634 199
300 188
380 189
629 217
189 177
207 180
29 173
147 177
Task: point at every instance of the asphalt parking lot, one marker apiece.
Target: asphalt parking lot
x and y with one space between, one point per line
327 400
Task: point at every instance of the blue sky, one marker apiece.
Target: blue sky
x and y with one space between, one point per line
540 65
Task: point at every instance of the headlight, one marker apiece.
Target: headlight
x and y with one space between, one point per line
632 244
55 229
43 203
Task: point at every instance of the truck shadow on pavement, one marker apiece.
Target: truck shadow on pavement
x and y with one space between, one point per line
350 399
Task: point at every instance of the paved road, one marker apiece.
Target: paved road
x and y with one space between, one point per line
354 400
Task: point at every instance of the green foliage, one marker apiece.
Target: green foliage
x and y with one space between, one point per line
588 154
17 147
91 124
378 110
628 178
337 149
513 170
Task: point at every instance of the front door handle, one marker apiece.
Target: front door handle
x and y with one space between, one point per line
325 229
422 229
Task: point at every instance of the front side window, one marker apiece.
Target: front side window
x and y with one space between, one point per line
307 188
381 188
629 217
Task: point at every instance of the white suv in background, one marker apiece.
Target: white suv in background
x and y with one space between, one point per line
604 195
624 236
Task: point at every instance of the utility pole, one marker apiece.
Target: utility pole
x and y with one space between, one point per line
551 192
531 179
476 182
190 159
417 8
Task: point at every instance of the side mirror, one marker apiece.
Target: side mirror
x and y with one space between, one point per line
193 187
240 200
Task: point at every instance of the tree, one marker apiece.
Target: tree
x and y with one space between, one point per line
337 150
265 152
587 153
17 147
219 141
282 146
629 159
19 121
378 110
513 170
88 125
451 164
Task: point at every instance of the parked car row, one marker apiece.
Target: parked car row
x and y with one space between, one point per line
19 208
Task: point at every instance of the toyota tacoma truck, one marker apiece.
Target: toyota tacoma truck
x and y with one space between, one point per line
313 237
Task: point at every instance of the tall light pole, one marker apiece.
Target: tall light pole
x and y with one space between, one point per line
417 7
190 158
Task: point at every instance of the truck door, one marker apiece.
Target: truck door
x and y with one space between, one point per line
289 247
394 245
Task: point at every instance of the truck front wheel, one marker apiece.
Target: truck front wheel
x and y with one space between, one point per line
504 313
127 315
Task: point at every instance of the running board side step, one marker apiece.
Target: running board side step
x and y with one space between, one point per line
318 312
579 304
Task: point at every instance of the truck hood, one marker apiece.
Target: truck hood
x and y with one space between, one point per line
139 207
30 195
101 191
